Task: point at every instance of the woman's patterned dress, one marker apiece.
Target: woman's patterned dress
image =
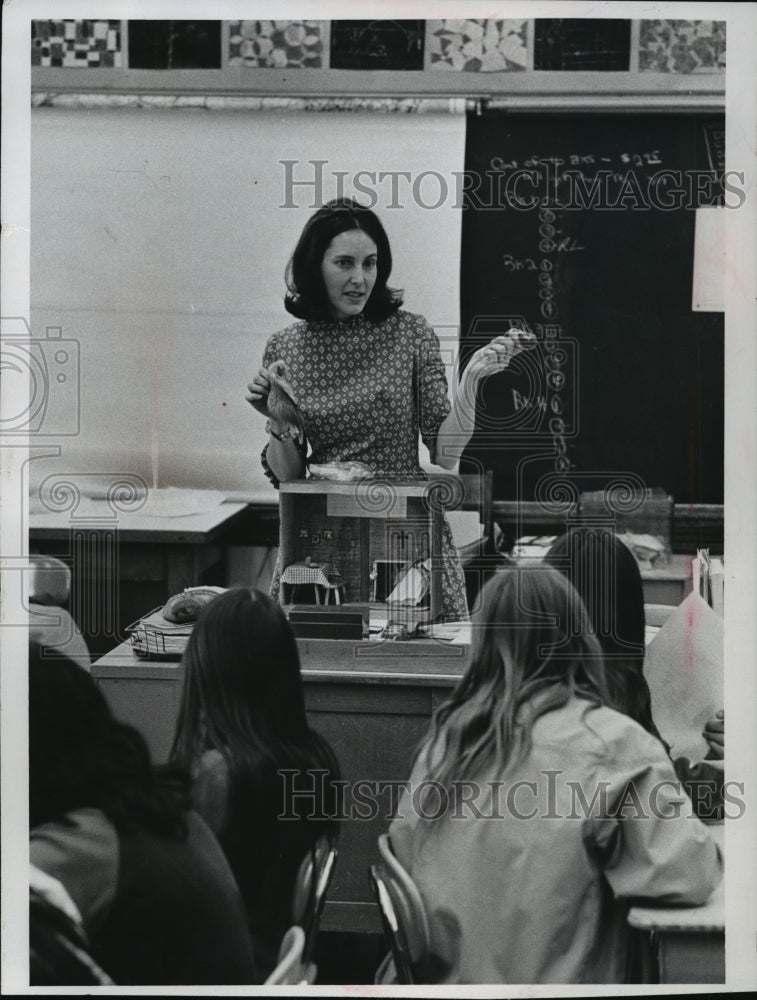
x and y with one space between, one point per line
365 391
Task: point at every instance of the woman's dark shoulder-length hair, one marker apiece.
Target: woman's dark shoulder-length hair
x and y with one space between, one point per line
306 296
81 757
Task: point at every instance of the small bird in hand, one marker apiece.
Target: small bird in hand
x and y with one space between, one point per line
282 402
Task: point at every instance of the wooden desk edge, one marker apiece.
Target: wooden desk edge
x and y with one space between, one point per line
121 663
168 530
707 918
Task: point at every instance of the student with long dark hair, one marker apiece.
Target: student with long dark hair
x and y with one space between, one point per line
155 893
534 813
605 573
262 778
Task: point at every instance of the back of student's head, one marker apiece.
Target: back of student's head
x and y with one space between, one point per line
242 677
531 651
605 573
243 695
80 756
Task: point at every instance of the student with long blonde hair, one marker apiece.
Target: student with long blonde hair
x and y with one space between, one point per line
534 812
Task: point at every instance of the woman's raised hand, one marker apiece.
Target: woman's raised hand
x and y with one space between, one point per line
259 388
498 353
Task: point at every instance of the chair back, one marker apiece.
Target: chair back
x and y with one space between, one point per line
403 915
310 890
291 970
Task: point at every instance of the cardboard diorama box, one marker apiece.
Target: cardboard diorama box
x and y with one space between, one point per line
361 542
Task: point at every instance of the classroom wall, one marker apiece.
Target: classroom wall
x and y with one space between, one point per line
159 244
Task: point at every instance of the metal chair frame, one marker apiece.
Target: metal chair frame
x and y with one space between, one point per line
310 890
291 970
403 916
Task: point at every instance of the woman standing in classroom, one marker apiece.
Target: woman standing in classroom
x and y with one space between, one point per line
368 377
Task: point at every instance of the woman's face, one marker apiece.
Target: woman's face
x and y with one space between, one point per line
349 272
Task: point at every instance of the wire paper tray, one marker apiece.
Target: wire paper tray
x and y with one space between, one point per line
153 638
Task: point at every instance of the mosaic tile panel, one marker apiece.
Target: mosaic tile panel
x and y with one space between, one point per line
88 44
682 47
477 46
377 44
277 44
582 44
174 44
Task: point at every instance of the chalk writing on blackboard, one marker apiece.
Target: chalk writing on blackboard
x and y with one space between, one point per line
584 158
174 44
377 44
581 44
646 392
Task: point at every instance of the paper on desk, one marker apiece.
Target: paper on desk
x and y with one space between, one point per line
684 669
99 504
175 502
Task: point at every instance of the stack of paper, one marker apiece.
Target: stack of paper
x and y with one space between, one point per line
709 579
153 636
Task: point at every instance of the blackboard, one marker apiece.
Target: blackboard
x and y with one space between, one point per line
570 226
585 43
394 45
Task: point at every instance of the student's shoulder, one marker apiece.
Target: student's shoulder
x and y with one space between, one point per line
600 733
81 850
612 735
86 831
210 789
212 766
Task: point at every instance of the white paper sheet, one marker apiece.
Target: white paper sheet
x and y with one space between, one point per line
684 668
708 286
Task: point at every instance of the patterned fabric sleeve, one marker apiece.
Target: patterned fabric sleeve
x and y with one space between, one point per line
271 354
433 401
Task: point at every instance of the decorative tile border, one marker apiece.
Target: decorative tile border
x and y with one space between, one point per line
79 44
682 47
474 46
277 44
674 47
